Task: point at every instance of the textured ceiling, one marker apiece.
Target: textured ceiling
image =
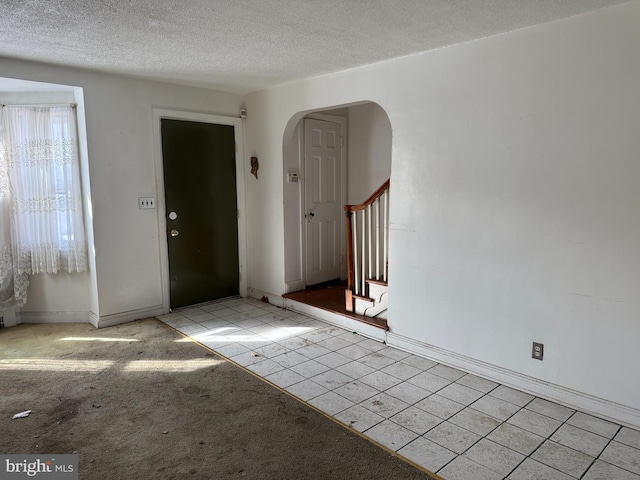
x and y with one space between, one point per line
246 45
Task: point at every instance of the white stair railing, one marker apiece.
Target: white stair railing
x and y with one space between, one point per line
367 244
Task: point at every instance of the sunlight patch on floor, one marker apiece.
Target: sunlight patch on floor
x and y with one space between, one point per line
43 364
98 339
180 366
227 334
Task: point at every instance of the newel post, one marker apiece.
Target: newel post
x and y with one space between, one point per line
348 294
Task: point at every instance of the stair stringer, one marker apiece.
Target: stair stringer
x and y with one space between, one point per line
376 303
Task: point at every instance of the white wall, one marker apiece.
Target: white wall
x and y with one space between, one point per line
369 157
292 211
121 168
514 202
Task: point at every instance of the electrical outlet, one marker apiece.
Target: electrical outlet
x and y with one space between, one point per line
538 351
146 202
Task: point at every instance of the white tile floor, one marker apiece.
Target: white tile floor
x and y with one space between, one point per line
450 422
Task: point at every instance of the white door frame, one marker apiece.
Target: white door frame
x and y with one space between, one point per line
238 124
343 193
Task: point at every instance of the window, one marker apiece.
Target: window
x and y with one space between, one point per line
40 197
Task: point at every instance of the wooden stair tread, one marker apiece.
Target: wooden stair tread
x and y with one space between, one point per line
364 299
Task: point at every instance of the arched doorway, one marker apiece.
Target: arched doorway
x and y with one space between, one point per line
364 166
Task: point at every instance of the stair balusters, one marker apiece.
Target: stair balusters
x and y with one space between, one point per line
367 243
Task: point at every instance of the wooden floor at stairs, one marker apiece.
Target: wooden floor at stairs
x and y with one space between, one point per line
330 296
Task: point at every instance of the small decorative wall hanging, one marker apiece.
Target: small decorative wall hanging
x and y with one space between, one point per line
254 166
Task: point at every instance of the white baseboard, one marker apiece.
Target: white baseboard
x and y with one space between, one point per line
274 299
336 319
130 316
603 408
94 319
295 286
9 318
52 317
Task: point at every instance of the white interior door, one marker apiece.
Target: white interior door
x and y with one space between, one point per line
324 217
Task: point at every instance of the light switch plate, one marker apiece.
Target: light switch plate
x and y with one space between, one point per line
146 202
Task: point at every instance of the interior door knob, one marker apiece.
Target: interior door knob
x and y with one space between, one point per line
174 232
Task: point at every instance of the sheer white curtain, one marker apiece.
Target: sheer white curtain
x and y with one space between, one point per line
10 286
40 197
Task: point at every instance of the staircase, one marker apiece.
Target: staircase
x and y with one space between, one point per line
375 303
367 255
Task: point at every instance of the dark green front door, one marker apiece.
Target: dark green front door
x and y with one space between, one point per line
201 208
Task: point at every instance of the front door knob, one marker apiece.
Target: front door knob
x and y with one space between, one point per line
174 232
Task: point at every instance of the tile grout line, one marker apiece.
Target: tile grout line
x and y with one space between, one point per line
535 449
485 436
605 447
502 422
